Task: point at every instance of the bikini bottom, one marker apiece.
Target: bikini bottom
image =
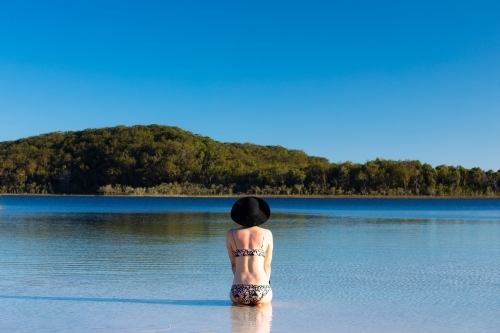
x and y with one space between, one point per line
249 294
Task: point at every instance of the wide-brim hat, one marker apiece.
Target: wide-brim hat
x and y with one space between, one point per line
250 211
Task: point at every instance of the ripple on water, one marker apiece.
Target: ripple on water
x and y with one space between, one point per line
154 272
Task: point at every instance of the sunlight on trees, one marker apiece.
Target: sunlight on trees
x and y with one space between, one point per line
163 160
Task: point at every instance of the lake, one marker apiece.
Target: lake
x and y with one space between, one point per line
150 264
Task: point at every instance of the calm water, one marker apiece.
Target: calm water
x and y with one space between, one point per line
129 264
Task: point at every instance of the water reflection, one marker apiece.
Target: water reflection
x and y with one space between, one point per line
173 227
251 319
156 270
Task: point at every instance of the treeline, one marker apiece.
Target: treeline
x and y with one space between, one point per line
163 160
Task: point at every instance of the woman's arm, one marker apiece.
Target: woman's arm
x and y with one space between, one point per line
269 254
230 251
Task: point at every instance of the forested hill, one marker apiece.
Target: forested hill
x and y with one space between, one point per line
168 160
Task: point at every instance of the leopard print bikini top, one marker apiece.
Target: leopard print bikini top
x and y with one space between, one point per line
248 252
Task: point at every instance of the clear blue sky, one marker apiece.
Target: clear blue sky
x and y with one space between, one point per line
346 80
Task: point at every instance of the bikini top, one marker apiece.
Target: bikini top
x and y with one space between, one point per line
248 252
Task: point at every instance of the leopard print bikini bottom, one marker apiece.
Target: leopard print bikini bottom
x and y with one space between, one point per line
249 294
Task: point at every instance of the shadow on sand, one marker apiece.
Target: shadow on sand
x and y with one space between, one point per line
186 302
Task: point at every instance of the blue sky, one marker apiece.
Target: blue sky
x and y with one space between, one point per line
346 80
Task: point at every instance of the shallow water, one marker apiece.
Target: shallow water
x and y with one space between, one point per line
159 265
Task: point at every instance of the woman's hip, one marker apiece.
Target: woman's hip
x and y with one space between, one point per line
251 294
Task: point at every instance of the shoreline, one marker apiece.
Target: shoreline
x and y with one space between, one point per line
257 195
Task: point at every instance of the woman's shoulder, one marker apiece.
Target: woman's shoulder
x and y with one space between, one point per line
255 229
266 232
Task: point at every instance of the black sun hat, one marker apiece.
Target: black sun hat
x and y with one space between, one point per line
250 211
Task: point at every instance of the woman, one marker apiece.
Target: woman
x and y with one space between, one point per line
250 250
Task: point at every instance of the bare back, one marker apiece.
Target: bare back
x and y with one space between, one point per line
249 268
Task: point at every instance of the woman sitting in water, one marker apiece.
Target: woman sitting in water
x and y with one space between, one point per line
250 249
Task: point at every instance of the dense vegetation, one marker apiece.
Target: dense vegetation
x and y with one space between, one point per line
168 160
